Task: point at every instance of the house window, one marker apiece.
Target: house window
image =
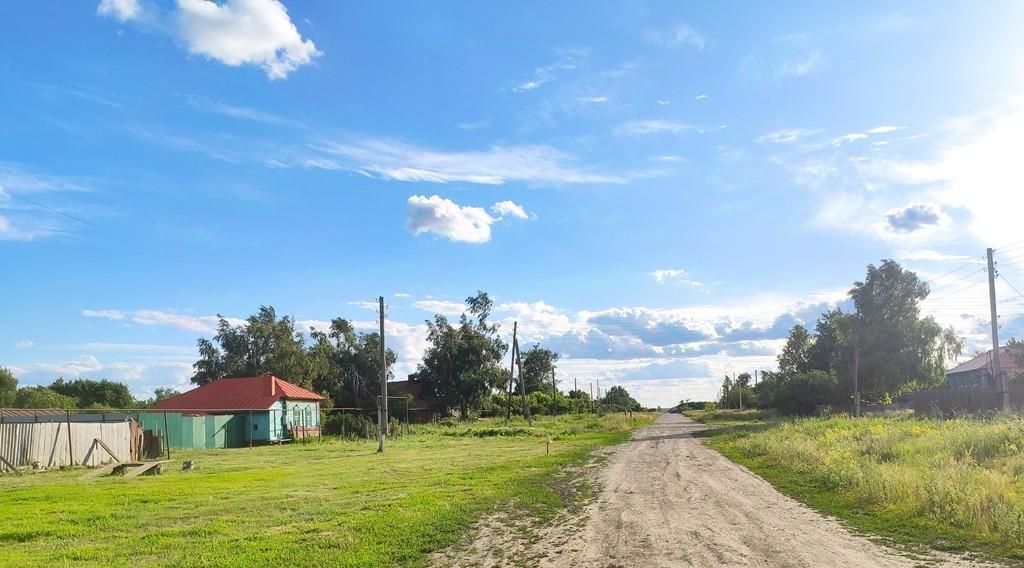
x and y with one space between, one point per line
255 427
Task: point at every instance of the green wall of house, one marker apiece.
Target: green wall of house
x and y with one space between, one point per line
190 431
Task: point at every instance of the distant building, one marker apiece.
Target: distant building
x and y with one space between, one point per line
235 412
977 373
419 409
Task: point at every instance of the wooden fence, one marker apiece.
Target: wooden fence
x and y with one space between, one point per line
951 402
46 444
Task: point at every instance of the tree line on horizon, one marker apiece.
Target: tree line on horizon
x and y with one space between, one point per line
462 370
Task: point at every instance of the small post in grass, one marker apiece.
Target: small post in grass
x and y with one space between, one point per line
548 448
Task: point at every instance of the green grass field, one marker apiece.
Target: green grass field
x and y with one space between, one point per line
329 504
949 484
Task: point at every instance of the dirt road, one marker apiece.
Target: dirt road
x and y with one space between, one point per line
666 500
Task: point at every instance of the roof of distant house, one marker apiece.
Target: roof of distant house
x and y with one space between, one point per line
1007 362
238 393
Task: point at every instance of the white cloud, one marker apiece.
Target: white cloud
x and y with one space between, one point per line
787 135
667 158
700 97
121 10
239 112
233 32
201 324
477 125
105 314
402 295
568 60
448 219
970 174
654 126
852 137
444 307
365 304
664 102
24 344
884 129
74 368
237 32
598 99
802 65
927 255
509 209
674 276
498 165
680 35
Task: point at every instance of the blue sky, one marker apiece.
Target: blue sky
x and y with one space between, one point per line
657 189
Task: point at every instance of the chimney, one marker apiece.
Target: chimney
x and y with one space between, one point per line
273 384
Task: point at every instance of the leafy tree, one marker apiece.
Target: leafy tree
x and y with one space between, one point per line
538 364
8 387
827 349
803 393
161 393
1016 348
263 344
618 397
732 390
461 364
345 365
899 350
795 356
42 397
95 394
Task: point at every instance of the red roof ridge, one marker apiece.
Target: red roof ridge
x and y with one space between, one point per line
238 393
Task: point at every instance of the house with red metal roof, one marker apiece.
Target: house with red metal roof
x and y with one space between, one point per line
237 411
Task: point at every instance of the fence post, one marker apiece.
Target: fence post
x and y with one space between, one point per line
71 449
250 429
167 436
343 437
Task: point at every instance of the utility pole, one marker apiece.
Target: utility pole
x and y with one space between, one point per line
522 387
382 405
554 392
755 377
591 397
999 381
511 373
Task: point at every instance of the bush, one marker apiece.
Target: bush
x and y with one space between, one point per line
350 424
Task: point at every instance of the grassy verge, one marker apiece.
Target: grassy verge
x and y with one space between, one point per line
951 485
330 504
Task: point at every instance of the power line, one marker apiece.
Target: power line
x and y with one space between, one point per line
1012 286
1010 246
949 285
52 210
960 290
941 276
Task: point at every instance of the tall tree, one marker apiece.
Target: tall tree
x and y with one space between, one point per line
8 387
95 394
345 365
795 356
538 364
461 363
265 343
899 350
618 397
